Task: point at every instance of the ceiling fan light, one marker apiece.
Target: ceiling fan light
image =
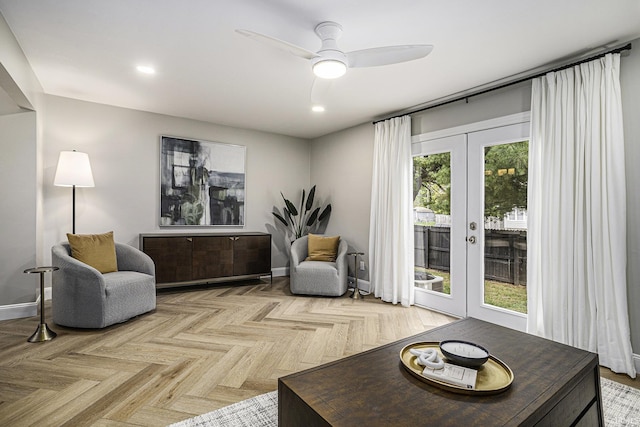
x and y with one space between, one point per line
329 69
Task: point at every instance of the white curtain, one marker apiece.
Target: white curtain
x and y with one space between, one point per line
576 281
391 221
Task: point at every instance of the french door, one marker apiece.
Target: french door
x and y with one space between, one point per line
470 216
439 233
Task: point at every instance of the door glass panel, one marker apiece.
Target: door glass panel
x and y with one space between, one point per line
505 227
432 221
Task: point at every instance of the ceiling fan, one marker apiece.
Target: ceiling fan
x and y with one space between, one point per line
330 62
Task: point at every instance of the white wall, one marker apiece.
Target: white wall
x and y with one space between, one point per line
341 167
19 171
499 103
123 146
18 213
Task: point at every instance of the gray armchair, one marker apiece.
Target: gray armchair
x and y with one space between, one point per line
82 297
317 277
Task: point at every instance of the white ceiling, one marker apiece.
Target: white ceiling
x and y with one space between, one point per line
88 50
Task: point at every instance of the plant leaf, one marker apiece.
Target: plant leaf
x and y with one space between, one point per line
325 213
313 217
292 209
302 201
280 217
287 215
312 194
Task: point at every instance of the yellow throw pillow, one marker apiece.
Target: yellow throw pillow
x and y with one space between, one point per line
96 250
321 248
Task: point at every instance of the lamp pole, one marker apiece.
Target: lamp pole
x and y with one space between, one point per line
73 209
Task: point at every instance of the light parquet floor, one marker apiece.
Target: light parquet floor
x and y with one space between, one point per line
201 349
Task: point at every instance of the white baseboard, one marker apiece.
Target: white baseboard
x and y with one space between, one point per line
26 309
18 311
280 271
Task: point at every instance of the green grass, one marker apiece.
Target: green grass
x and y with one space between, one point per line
499 294
506 295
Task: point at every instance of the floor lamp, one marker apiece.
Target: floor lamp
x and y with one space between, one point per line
74 170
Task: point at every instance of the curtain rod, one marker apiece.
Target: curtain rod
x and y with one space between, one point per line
462 95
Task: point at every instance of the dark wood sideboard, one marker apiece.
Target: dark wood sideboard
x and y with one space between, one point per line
185 259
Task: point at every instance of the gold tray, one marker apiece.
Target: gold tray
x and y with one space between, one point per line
493 377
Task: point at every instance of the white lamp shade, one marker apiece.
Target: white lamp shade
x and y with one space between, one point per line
73 168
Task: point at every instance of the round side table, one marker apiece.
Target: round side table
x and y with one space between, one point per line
42 333
356 292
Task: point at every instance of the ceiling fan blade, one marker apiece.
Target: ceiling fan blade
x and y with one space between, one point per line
387 55
279 44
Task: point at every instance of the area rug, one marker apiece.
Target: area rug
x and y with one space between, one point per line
259 411
621 404
621 409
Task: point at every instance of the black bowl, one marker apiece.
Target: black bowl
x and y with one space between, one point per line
464 353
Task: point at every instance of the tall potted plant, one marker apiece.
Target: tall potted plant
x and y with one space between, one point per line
300 221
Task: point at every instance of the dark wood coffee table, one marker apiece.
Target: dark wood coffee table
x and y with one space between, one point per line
554 385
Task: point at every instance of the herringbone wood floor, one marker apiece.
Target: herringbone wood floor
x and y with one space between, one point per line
201 349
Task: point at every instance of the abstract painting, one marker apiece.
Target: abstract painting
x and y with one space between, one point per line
202 183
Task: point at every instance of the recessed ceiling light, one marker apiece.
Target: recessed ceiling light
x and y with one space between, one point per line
145 69
317 109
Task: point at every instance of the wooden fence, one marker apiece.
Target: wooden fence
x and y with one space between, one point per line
505 252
